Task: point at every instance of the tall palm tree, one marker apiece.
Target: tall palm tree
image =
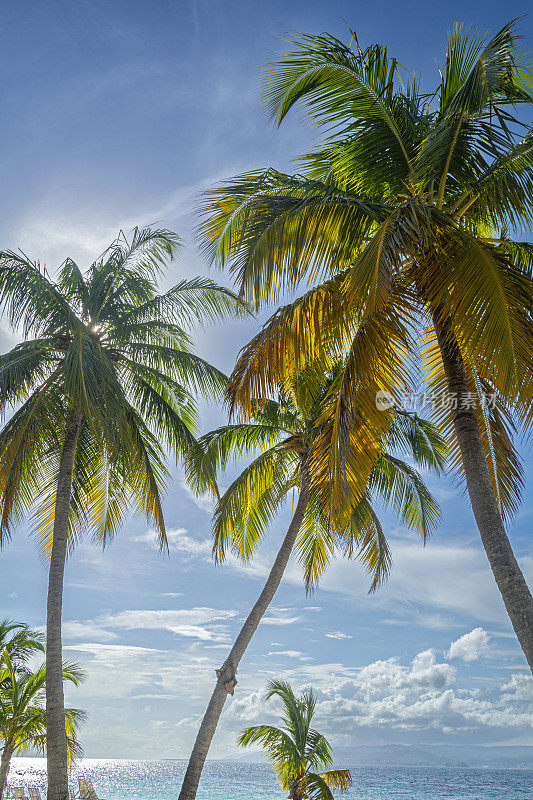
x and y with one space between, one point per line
285 431
402 219
101 384
23 715
296 751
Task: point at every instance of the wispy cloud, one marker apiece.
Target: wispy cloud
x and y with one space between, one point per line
179 541
290 654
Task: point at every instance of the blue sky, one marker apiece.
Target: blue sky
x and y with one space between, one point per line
120 113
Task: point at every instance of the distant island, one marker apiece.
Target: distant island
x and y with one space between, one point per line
438 755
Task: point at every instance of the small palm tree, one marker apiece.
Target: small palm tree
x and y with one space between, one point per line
297 753
23 715
102 383
403 219
285 431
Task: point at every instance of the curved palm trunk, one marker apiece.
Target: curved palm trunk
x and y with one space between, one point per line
511 582
226 674
56 739
5 761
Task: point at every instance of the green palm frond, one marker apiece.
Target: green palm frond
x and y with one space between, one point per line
126 273
189 302
30 298
477 72
318 751
339 780
22 369
398 484
269 226
363 538
315 545
244 511
217 449
337 83
419 438
279 749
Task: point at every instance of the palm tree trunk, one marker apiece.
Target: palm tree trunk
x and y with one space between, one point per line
56 739
511 582
5 761
226 674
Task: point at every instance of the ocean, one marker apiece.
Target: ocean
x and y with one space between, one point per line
230 780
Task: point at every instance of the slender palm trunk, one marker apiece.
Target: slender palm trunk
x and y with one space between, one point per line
56 740
5 761
226 674
511 582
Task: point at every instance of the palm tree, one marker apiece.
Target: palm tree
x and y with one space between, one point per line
402 217
284 431
101 384
22 712
296 751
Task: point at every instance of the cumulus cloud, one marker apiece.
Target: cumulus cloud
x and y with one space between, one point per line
386 695
386 698
470 646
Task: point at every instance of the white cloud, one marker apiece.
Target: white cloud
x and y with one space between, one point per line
179 541
279 616
86 630
387 695
205 502
205 624
338 635
192 622
53 230
470 646
426 577
290 654
425 587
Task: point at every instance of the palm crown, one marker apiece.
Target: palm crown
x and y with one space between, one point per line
402 216
284 430
107 346
298 754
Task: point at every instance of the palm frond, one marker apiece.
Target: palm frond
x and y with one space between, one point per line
339 84
246 508
399 485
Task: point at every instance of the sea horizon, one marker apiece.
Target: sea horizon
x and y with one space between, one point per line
225 779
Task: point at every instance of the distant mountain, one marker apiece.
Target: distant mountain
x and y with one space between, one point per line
399 755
